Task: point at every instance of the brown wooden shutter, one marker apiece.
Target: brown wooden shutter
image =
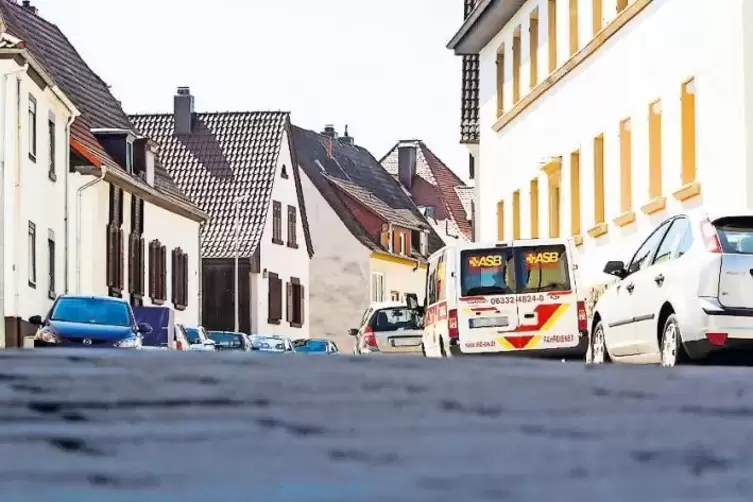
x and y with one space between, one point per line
184 289
289 302
163 270
132 263
302 304
142 254
110 257
174 277
152 271
121 260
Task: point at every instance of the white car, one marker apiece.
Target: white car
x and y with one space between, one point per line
197 338
388 327
686 293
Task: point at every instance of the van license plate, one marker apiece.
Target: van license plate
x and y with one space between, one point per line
489 322
406 342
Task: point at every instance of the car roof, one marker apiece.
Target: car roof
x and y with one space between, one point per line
387 305
93 297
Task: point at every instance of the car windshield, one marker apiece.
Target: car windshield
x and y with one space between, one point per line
315 346
193 335
227 340
92 311
394 319
267 343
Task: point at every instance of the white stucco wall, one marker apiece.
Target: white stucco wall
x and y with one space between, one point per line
282 260
30 195
399 276
648 59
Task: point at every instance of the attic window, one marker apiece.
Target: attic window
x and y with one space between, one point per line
284 171
129 156
427 211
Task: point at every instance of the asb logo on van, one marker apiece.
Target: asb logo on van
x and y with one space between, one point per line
490 261
545 259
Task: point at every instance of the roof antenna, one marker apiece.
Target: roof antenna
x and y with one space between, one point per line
346 130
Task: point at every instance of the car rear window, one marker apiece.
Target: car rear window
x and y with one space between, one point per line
486 272
736 234
542 268
394 319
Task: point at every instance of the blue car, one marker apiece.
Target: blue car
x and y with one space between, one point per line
315 346
89 321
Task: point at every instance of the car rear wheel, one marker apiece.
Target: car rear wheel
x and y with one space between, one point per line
672 350
597 353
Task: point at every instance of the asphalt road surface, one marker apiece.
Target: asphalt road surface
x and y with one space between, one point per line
193 427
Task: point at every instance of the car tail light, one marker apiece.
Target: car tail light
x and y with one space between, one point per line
710 237
452 323
718 339
368 337
179 345
582 319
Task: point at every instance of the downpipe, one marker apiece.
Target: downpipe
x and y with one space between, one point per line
67 226
3 130
79 194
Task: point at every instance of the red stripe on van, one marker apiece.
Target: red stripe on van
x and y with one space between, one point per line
472 299
484 309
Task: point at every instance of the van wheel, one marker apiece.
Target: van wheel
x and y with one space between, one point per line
598 354
442 351
423 349
672 350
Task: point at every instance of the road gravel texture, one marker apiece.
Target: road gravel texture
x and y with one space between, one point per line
191 427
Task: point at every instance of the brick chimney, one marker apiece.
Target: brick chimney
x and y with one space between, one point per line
329 130
406 163
183 110
26 4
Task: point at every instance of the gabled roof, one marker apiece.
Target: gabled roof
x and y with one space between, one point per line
353 172
435 172
227 155
86 90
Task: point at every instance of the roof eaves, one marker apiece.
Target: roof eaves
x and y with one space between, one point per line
482 25
299 188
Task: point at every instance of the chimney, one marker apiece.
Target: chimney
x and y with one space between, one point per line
346 139
26 4
406 163
329 130
183 109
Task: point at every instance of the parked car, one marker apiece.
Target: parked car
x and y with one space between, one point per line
686 293
315 346
197 338
388 327
273 344
89 321
230 340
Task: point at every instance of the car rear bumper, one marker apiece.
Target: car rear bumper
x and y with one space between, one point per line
577 351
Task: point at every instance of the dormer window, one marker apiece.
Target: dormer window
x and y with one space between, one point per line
129 156
284 171
402 244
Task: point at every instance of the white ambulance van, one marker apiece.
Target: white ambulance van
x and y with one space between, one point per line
502 298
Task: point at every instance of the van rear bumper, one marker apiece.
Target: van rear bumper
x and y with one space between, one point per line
578 351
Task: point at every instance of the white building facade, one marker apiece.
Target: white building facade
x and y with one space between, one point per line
600 118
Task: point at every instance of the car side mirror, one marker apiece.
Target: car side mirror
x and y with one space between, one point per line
36 320
144 328
209 341
353 332
615 268
411 301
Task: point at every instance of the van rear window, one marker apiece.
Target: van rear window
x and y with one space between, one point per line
542 268
486 272
735 234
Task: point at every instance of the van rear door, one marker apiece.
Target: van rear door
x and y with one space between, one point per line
546 297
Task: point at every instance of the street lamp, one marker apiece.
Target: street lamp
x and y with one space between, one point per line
236 206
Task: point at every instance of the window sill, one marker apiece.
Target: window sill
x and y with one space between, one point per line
276 322
578 240
33 158
277 241
598 230
571 64
654 205
32 285
293 245
625 218
296 325
53 177
688 191
157 301
284 175
180 307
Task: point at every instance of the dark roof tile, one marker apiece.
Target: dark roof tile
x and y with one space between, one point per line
469 122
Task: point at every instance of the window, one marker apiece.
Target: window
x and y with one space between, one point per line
533 47
179 279
735 234
157 272
129 156
295 311
555 201
395 296
685 243
676 233
500 81
97 311
688 132
654 150
516 66
274 298
486 272
598 15
436 289
394 319
641 259
534 209
136 252
276 222
552 32
114 253
284 171
32 259
516 214
621 5
377 287
402 244
626 146
501 220
32 128
574 20
599 210
51 264
292 224
534 274
51 142
575 193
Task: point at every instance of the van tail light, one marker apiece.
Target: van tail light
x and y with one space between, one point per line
717 339
179 345
368 337
710 237
452 323
582 319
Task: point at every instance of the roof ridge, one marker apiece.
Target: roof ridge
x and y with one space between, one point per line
441 162
230 112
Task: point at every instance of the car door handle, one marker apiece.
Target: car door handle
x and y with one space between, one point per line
630 287
659 279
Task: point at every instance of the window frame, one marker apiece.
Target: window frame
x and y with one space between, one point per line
274 317
51 269
277 222
664 226
129 156
51 148
292 227
674 221
377 283
32 255
33 128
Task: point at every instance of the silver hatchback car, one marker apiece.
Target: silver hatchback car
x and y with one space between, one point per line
390 328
